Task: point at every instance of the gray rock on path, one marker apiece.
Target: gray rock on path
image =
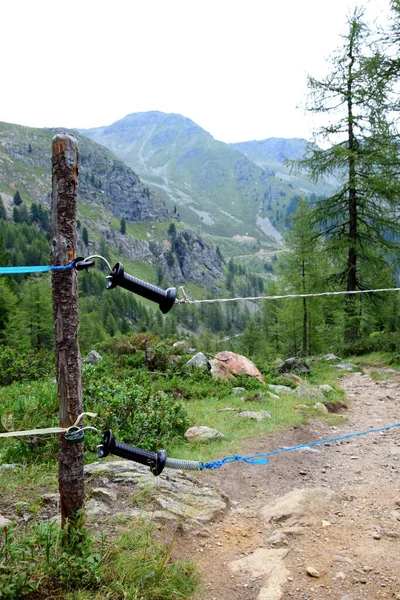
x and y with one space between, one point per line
173 495
267 563
93 358
301 503
203 434
198 361
331 357
258 415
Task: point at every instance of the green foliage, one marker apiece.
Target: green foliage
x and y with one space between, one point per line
17 198
382 342
85 236
122 226
17 365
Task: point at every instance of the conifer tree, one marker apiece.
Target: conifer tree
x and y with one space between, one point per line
360 220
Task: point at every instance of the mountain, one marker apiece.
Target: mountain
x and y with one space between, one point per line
212 185
109 190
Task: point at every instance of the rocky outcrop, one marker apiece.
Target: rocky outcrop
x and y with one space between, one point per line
176 497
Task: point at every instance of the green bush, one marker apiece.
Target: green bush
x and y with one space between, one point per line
135 414
17 365
379 342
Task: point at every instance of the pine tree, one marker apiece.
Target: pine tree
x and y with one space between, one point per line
360 220
3 212
85 236
17 198
122 227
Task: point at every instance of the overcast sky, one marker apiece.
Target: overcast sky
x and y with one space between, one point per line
235 67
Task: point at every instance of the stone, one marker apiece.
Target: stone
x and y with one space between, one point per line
301 503
272 396
312 392
267 563
176 497
321 407
4 522
238 391
203 434
345 366
219 370
239 364
7 467
259 415
293 377
294 364
312 572
278 362
331 357
51 499
280 389
278 540
93 358
326 388
104 495
198 361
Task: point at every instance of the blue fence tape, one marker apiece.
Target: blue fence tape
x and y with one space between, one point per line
38 269
261 459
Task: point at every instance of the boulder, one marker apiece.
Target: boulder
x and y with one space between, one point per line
93 358
219 370
175 496
203 434
320 406
345 366
293 377
238 364
294 364
258 415
198 361
238 391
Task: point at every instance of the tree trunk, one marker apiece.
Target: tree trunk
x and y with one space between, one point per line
65 314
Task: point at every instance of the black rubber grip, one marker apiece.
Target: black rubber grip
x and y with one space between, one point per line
165 299
155 460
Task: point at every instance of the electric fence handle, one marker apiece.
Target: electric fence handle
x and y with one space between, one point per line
165 299
155 460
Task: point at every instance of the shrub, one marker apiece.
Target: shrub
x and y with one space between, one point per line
17 365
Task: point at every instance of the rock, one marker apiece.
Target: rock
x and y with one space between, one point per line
182 344
345 366
321 407
51 499
104 495
4 522
301 503
272 396
198 361
326 388
278 362
312 572
7 467
278 540
259 415
397 502
312 392
176 496
293 377
294 364
93 358
238 391
203 434
266 563
280 389
238 364
220 371
228 409
331 357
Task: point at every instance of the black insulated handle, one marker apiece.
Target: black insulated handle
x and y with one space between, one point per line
155 460
165 299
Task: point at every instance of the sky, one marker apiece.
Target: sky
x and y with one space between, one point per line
237 68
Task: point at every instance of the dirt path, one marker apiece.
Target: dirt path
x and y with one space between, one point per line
356 547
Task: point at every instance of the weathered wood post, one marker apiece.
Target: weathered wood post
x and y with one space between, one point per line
65 314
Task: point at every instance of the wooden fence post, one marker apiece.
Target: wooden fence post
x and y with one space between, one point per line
65 314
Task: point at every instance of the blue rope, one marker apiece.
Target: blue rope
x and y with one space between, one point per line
40 269
260 459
